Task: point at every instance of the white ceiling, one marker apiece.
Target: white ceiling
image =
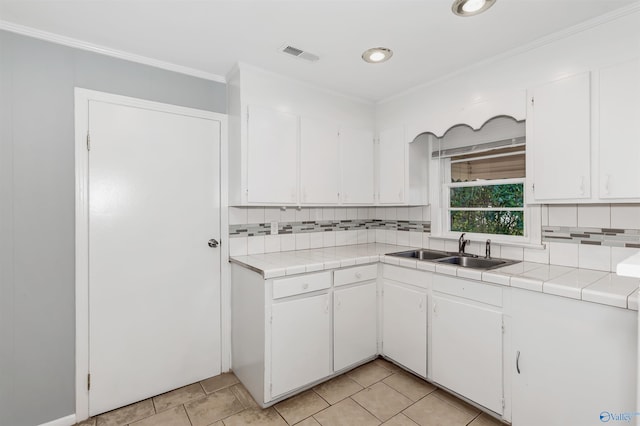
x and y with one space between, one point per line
211 35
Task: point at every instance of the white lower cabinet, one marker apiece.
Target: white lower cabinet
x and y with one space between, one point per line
404 326
466 350
300 343
574 362
355 319
404 317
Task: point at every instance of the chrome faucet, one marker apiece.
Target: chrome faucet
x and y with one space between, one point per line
487 252
462 243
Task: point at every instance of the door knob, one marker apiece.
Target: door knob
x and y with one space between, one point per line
213 243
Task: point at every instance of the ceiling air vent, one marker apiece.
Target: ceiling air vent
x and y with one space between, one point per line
298 53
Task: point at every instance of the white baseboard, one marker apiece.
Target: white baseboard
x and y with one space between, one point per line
64 421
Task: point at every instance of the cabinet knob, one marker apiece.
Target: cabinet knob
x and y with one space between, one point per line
358 275
305 286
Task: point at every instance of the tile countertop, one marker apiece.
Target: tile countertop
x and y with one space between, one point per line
585 284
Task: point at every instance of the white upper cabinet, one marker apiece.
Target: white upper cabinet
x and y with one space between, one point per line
392 166
356 160
619 132
558 140
272 156
402 168
284 144
319 162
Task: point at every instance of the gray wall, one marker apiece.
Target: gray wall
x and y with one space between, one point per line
37 318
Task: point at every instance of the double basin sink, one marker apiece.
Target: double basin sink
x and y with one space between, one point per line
452 258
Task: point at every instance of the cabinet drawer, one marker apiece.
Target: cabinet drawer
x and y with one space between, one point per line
355 275
479 292
407 276
303 284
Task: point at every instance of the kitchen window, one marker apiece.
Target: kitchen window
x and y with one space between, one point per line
484 192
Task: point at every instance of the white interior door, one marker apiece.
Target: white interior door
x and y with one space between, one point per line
154 283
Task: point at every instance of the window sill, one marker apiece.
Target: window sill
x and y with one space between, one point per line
536 246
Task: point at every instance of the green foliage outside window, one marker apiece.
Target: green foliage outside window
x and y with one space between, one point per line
488 221
510 195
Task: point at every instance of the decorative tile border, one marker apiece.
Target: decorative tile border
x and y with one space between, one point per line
256 229
594 236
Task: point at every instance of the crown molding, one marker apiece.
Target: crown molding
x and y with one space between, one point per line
103 50
559 35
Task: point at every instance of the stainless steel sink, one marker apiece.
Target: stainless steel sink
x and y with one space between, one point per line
422 254
476 262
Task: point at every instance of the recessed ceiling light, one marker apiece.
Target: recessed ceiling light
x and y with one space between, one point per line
471 7
375 55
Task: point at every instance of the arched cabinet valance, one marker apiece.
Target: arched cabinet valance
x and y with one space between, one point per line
474 115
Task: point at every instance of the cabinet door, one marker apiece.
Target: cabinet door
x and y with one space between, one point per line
272 156
356 166
573 361
619 142
319 163
559 139
404 326
391 166
466 350
300 343
355 331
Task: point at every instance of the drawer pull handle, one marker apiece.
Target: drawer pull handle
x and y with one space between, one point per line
518 362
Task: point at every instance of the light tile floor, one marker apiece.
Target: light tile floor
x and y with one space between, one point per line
373 394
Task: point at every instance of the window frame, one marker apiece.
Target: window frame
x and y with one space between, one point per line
442 228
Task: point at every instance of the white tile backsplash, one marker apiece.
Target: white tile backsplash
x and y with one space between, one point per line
352 237
238 246
255 245
341 238
563 254
594 257
352 213
340 214
271 214
302 241
594 216
402 213
415 213
302 215
390 213
513 253
287 242
427 242
537 255
625 216
255 215
362 236
403 238
288 214
415 239
363 213
316 240
237 215
563 215
271 243
328 213
315 214
328 239
391 237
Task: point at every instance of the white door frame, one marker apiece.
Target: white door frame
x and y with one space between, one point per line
82 98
